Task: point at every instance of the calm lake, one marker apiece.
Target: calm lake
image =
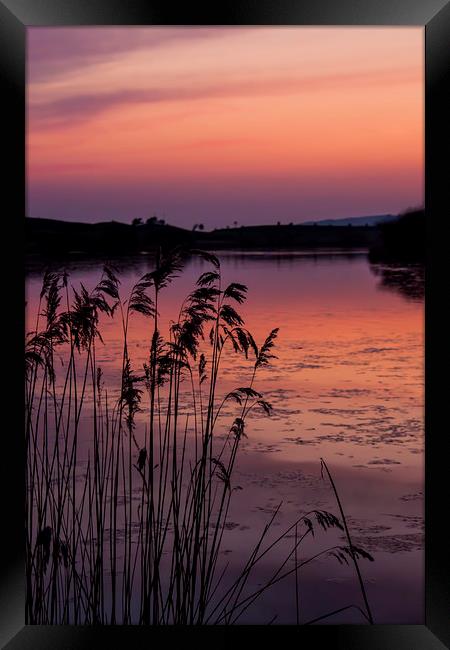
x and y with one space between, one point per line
347 386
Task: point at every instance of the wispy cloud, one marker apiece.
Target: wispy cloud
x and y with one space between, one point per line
58 51
84 107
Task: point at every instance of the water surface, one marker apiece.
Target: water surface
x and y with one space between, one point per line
347 386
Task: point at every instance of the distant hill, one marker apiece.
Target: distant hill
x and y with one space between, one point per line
57 237
48 237
373 220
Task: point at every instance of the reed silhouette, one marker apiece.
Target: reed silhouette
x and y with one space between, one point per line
128 527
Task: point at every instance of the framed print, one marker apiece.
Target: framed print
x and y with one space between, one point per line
232 349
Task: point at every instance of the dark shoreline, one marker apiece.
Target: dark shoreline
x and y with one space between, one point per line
49 238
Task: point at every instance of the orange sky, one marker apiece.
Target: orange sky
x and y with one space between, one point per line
222 124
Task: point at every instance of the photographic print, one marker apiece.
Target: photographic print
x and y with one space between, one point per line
224 411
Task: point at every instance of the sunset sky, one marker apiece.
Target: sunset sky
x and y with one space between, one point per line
216 125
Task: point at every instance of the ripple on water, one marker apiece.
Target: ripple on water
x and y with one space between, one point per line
403 543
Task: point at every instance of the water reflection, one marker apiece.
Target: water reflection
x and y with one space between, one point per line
146 260
408 281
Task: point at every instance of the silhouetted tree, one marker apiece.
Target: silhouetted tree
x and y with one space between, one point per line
201 226
151 221
402 239
137 222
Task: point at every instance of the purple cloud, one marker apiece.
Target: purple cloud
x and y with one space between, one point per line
55 51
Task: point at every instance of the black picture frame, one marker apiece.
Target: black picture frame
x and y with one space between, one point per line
434 15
